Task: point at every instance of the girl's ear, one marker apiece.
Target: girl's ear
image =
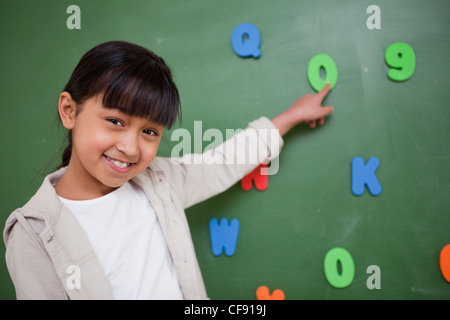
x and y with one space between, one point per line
67 110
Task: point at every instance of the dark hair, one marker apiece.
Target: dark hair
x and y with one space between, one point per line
133 80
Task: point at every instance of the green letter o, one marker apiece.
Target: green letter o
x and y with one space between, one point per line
322 61
345 278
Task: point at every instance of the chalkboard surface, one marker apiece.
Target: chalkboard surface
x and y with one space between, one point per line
308 207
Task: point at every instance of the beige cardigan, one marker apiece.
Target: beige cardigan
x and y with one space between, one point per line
43 239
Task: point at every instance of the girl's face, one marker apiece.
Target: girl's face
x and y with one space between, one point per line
109 147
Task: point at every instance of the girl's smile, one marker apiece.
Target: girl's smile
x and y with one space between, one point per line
120 166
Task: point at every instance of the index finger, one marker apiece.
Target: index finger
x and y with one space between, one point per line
323 93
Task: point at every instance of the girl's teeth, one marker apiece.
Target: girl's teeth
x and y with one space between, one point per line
118 163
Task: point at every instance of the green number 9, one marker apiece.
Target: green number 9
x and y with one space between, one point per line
401 58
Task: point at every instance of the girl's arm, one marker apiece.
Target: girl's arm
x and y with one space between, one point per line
197 177
307 109
195 183
31 270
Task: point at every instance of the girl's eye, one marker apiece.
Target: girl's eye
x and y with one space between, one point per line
150 132
116 122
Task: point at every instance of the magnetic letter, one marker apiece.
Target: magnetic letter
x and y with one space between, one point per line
374 281
402 60
318 62
245 40
374 21
223 236
330 267
74 21
444 262
261 180
364 174
263 293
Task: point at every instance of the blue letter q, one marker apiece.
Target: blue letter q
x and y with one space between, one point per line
245 40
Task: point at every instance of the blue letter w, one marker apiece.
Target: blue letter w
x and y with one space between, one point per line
223 236
364 174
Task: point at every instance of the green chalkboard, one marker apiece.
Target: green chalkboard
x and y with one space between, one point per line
308 207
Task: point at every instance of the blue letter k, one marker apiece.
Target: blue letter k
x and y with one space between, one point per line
364 174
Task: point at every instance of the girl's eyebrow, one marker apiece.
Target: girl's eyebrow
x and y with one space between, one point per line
115 112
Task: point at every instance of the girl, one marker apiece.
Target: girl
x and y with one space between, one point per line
110 222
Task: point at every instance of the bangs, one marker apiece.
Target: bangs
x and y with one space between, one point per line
144 91
131 78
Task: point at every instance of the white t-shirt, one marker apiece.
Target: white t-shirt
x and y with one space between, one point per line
124 231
